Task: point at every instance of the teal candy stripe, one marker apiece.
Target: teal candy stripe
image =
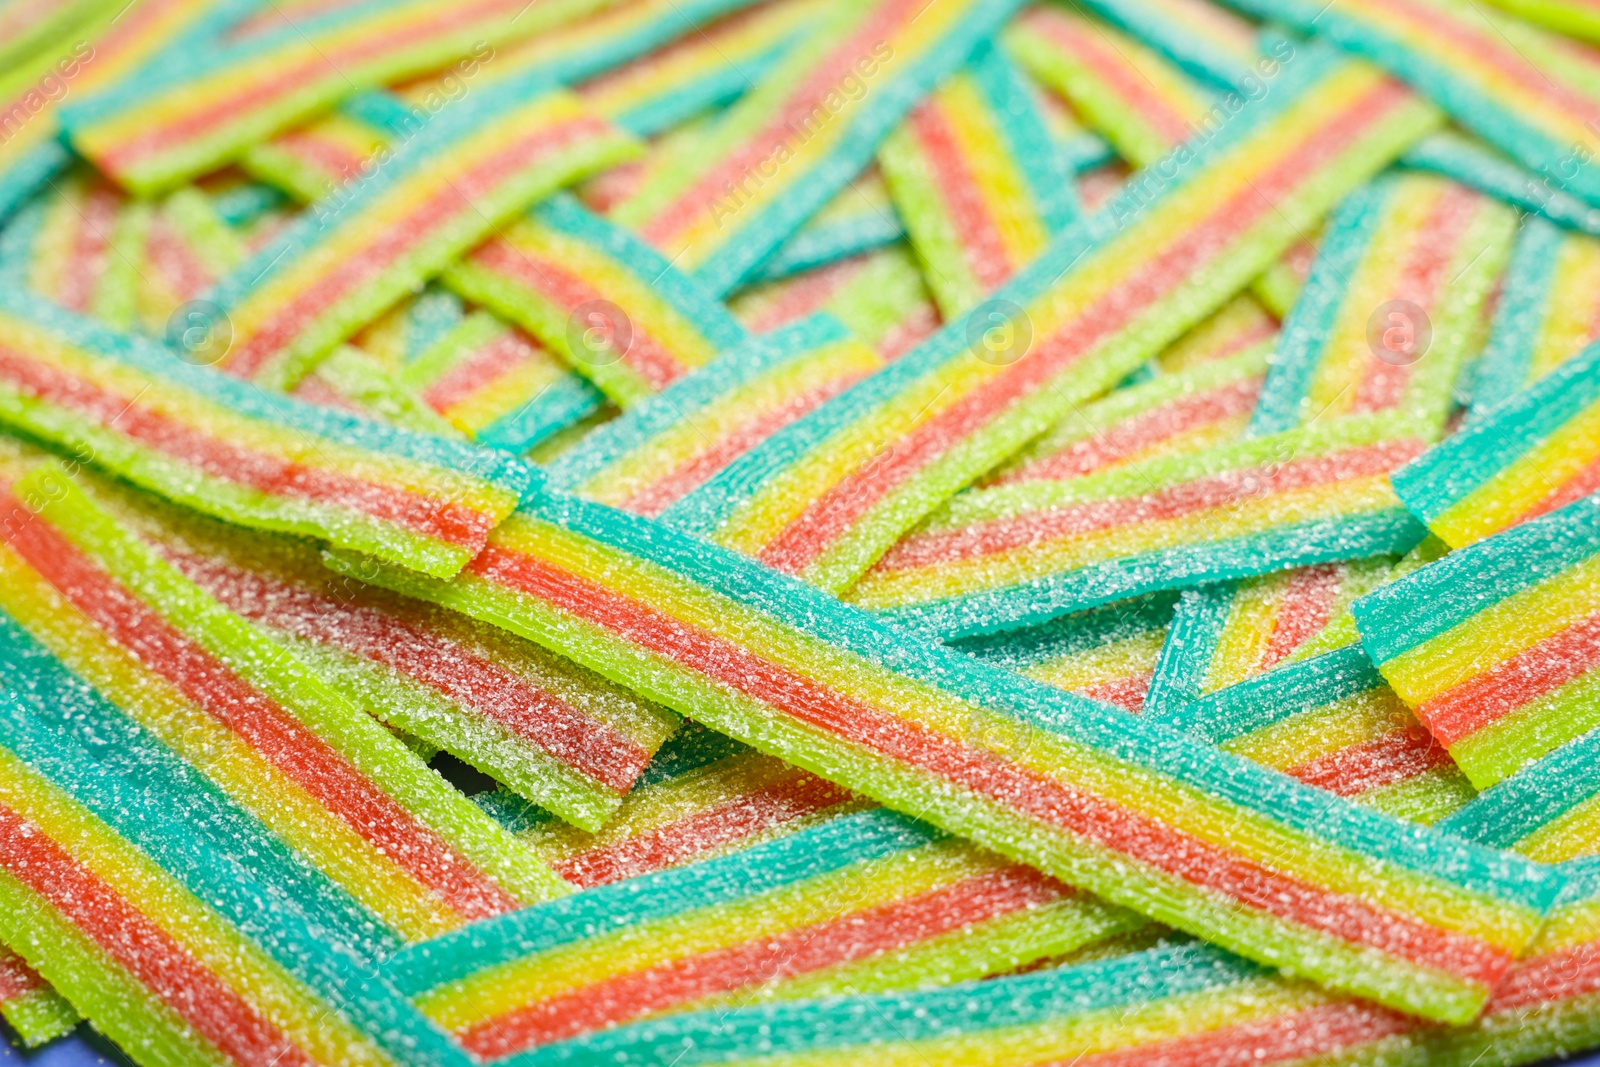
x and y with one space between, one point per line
716 88
1485 170
805 194
1532 798
818 243
1192 639
1305 334
76 714
559 406
1498 436
1070 634
1452 590
566 214
27 175
707 507
1277 695
17 239
1524 305
503 470
1390 531
432 142
690 394
221 873
1127 737
895 1020
713 883
1028 141
1472 108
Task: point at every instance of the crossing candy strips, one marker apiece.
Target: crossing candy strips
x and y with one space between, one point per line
800 533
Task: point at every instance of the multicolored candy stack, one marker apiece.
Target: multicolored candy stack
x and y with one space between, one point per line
781 533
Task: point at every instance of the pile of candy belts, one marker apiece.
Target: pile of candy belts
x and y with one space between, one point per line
792 533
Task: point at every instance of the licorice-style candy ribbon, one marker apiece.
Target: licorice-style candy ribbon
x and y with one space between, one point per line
667 447
243 707
1088 794
1528 455
34 1010
1495 646
827 496
1394 306
862 903
552 732
784 150
975 175
224 447
365 246
1546 313
1528 92
592 293
497 384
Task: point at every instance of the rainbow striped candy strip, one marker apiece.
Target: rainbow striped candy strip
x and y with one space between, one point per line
352 379
1546 811
165 127
498 385
1393 307
788 147
224 447
242 706
704 795
363 248
1535 452
1188 410
188 247
1546 314
827 496
1527 92
1495 646
864 903
552 732
1101 800
29 1005
860 219
1131 95
115 42
1230 632
182 933
975 175
673 443
1332 722
1014 555
1208 41
1187 1004
592 293
602 50
26 29
1107 654
79 247
881 296
412 326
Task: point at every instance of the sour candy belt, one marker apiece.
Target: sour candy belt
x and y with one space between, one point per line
34 1010
785 149
551 731
253 716
1084 792
1496 646
864 903
1013 555
226 448
980 184
212 108
497 384
827 496
1527 92
592 293
673 443
371 242
1547 312
1527 456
